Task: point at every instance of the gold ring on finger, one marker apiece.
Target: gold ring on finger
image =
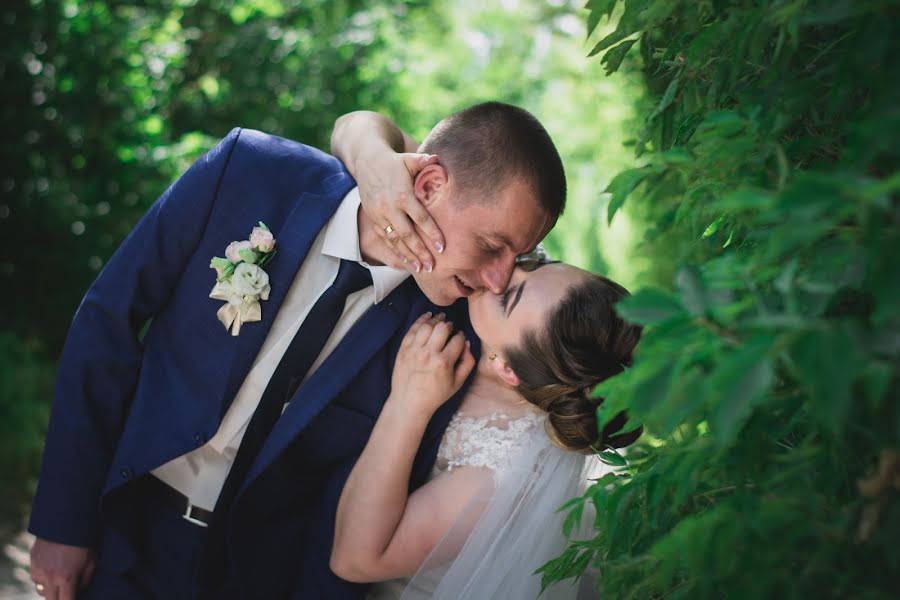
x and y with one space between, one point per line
388 230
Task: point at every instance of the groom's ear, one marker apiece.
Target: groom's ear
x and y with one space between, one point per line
504 372
430 184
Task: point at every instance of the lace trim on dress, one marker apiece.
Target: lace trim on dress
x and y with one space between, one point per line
486 441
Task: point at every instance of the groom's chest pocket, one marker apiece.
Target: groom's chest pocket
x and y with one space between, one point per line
333 435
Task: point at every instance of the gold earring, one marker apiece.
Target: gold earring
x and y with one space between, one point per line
492 357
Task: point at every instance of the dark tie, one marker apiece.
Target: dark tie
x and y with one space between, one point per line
295 364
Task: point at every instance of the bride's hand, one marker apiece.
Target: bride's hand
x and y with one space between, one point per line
384 161
432 364
386 189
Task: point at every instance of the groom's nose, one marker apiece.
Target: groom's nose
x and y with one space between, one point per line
496 275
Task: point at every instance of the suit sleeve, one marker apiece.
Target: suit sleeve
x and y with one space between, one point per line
100 362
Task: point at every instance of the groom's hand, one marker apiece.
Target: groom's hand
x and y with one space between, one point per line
386 189
61 569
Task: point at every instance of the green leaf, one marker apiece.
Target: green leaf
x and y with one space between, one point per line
219 263
876 380
722 123
743 199
248 256
737 384
692 290
229 271
680 403
621 186
571 563
649 306
650 391
713 227
612 458
667 98
573 519
614 57
598 9
826 363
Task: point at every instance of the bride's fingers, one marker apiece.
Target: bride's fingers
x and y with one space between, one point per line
424 331
439 335
414 328
464 366
454 347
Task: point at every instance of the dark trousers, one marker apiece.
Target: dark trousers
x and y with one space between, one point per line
169 549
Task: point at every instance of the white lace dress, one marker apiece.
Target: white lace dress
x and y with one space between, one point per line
481 441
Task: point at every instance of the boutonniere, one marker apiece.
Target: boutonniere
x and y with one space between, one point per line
241 280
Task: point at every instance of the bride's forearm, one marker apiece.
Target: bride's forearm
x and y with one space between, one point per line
364 134
375 495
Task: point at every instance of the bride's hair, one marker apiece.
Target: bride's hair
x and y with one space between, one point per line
582 343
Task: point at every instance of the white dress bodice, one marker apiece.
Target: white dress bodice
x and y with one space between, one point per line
482 441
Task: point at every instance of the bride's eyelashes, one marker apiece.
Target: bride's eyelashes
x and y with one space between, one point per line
504 299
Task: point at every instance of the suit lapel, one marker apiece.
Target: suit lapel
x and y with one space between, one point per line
298 232
363 340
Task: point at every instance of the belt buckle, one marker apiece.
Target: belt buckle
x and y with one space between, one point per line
187 516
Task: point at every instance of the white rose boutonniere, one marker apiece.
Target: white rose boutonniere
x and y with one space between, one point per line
240 279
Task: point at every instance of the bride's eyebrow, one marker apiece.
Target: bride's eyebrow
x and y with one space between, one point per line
516 299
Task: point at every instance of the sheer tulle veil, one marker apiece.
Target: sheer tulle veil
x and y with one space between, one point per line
516 530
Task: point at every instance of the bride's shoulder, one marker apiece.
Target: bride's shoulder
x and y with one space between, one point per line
487 440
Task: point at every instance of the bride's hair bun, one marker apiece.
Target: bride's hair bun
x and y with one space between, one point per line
583 343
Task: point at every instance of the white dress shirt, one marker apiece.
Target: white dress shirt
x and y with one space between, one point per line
200 474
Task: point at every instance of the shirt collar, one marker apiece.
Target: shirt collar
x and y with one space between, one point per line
342 241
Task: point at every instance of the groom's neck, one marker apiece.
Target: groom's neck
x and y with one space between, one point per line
372 246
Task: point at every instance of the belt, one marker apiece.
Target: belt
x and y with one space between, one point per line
178 501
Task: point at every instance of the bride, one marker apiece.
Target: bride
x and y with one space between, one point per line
516 450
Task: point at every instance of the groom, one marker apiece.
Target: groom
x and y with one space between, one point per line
194 463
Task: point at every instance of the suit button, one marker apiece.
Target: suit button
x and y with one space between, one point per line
125 473
199 438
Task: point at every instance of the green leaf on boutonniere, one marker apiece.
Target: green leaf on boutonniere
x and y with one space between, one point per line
263 226
266 258
219 263
248 256
228 272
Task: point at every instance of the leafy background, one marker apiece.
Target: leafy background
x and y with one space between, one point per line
749 151
767 378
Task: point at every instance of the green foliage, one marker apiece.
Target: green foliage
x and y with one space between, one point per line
767 378
25 374
106 103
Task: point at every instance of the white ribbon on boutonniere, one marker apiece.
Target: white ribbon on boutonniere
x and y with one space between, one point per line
241 281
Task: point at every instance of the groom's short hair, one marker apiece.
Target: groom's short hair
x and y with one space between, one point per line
486 145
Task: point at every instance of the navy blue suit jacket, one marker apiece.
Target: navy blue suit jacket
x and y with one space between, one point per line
124 406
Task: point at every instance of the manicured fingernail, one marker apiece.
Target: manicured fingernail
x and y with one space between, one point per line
468 343
439 246
428 267
441 316
427 315
416 266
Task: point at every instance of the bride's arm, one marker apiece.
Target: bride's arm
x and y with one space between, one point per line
383 160
382 531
